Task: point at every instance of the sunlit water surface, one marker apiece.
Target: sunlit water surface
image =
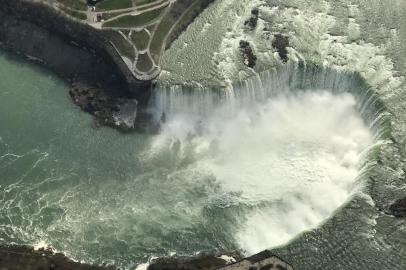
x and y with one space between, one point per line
239 177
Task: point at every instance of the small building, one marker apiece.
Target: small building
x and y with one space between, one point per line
99 17
264 260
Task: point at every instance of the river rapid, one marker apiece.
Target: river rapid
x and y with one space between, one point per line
300 158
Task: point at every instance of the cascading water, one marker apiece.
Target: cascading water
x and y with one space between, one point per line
287 145
247 168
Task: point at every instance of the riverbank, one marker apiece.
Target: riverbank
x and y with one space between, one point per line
27 258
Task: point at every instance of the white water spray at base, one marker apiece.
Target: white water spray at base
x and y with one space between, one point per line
292 160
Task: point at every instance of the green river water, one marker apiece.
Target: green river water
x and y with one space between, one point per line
304 173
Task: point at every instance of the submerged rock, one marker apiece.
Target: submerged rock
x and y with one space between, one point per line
248 55
398 208
252 22
280 44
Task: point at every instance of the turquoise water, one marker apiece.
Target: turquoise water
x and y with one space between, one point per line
86 191
233 177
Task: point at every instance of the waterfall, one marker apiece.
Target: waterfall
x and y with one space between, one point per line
295 143
283 80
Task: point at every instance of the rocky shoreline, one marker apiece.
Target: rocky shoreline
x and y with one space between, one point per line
398 208
28 258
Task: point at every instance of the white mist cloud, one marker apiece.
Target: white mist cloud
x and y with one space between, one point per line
296 154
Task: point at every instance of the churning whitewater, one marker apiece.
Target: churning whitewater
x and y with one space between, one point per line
290 160
247 168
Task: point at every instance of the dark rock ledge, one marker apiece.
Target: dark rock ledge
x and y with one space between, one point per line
398 208
24 258
252 22
280 44
203 261
248 55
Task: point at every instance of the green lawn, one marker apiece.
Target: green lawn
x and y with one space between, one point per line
122 45
144 63
114 4
159 36
140 39
143 2
78 15
135 21
74 4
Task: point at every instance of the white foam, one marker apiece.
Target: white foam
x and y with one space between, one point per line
40 245
143 266
227 259
293 159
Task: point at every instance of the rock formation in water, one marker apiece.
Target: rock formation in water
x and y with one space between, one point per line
249 58
398 208
280 44
252 22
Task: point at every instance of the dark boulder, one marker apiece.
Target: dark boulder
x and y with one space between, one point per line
280 44
20 257
252 22
249 58
398 208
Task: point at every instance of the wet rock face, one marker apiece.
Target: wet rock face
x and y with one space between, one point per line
398 208
18 258
202 262
280 44
123 113
93 101
248 55
102 106
252 22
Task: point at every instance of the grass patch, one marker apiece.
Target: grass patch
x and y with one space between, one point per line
135 21
159 35
75 14
140 39
144 63
143 2
108 16
114 4
122 45
74 4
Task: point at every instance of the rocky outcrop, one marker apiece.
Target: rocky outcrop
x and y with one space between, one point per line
252 22
200 262
280 44
24 258
249 58
398 208
20 257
